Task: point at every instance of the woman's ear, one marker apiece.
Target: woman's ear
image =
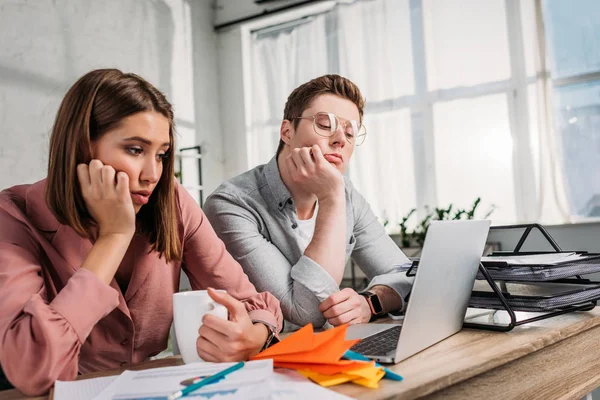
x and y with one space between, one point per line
286 131
93 150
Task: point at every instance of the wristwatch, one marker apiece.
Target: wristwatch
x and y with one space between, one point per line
271 339
374 303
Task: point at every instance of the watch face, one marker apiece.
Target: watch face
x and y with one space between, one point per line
376 304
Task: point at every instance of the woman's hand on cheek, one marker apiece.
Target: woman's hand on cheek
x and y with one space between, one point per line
107 198
234 340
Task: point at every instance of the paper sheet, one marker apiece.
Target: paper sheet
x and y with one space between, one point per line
291 385
287 385
160 382
536 259
82 389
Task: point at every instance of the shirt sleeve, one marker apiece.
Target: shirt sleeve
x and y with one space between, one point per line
300 286
375 252
208 264
40 340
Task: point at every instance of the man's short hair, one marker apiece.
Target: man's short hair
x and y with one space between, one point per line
300 99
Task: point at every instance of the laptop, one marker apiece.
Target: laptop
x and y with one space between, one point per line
439 296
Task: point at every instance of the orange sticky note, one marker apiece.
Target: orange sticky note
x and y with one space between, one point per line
328 353
299 341
318 357
304 346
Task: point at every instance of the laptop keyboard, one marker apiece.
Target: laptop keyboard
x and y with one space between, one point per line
379 344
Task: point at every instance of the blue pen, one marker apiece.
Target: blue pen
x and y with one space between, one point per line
351 355
204 382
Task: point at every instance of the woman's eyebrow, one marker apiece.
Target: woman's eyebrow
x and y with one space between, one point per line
144 140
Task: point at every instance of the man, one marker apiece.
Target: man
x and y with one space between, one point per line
293 223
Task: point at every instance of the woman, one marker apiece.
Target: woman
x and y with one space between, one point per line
90 256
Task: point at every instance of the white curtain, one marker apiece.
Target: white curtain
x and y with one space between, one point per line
553 205
464 89
375 52
281 61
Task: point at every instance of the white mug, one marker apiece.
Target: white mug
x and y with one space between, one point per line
188 310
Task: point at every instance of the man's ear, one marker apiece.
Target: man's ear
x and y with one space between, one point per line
286 131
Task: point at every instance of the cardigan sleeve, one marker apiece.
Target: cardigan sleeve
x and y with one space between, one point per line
40 340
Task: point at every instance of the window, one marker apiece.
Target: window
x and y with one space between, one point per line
573 38
456 101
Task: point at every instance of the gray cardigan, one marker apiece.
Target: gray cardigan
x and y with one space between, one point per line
254 215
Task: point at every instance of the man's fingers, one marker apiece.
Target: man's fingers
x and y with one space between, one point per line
338 309
291 164
344 318
334 299
317 154
306 156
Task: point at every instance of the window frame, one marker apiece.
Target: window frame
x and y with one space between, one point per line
420 104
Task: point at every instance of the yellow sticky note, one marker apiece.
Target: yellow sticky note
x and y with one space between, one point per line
370 383
369 372
325 380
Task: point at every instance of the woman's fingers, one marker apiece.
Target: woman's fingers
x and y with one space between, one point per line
207 350
95 169
83 174
123 186
108 178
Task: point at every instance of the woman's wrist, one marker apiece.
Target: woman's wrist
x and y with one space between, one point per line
261 336
106 255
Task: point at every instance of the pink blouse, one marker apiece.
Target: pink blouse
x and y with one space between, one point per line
57 319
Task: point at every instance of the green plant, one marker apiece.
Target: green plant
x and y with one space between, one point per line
416 237
403 229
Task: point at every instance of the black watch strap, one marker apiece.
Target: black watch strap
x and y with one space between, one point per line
374 303
271 339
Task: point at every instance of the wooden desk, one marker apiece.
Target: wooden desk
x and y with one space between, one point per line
558 358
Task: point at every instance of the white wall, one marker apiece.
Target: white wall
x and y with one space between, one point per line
46 45
233 94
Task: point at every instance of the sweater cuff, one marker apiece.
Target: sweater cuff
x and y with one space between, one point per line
397 281
314 278
265 317
84 301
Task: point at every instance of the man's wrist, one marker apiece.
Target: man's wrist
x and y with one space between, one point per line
367 312
389 298
332 198
374 303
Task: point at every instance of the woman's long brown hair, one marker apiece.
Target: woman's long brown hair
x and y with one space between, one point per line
96 103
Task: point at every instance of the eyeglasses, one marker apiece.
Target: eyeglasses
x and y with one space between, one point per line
326 124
